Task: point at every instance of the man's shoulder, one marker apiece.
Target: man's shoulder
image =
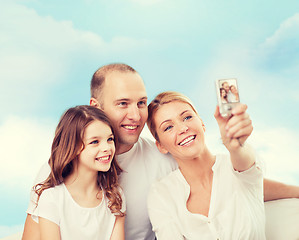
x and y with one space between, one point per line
43 173
150 150
144 140
167 188
168 182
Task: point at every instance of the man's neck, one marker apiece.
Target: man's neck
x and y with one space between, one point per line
123 148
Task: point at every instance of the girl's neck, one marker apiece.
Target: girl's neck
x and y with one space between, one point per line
85 181
84 189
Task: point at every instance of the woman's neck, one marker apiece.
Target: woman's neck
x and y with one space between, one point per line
199 168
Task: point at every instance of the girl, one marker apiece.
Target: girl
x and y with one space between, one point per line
209 196
81 198
223 95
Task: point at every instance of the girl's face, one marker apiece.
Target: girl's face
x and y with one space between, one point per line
223 93
180 130
99 147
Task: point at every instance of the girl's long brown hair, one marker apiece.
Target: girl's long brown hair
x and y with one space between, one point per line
68 144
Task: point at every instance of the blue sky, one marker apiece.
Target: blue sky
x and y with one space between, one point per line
50 49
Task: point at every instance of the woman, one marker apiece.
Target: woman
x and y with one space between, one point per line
234 97
209 196
81 198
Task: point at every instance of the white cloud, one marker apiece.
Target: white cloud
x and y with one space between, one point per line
36 49
267 73
279 148
38 52
25 146
287 31
146 2
281 50
11 232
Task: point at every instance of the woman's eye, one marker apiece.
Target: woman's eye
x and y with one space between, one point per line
111 139
188 117
167 128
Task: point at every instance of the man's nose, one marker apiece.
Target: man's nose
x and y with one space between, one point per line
133 113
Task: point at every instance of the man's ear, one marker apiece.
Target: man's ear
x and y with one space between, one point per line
94 102
161 148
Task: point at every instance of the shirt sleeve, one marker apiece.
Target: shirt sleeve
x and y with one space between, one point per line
251 180
124 203
47 206
253 175
41 176
162 221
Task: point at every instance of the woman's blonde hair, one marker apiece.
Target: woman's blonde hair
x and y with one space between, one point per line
158 102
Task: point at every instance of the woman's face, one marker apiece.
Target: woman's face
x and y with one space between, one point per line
233 89
180 130
99 147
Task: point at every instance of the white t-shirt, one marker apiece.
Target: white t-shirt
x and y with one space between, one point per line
236 206
57 205
142 165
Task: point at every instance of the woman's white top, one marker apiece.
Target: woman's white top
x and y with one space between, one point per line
236 207
76 223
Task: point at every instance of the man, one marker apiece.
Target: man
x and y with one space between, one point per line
119 90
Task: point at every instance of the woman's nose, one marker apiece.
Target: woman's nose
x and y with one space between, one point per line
183 128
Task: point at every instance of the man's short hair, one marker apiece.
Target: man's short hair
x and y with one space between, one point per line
98 78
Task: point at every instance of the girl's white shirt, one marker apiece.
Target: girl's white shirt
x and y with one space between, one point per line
57 205
236 207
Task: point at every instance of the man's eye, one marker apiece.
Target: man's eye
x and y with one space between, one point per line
123 104
167 128
94 142
142 103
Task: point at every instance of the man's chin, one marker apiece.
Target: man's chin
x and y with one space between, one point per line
129 140
126 145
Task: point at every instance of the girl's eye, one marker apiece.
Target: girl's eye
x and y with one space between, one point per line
94 142
111 139
167 128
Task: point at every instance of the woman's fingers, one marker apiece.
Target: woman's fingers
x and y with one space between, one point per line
242 127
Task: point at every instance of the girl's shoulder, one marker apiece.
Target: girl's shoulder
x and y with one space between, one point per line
53 192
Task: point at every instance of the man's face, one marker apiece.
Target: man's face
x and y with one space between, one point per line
124 100
225 86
